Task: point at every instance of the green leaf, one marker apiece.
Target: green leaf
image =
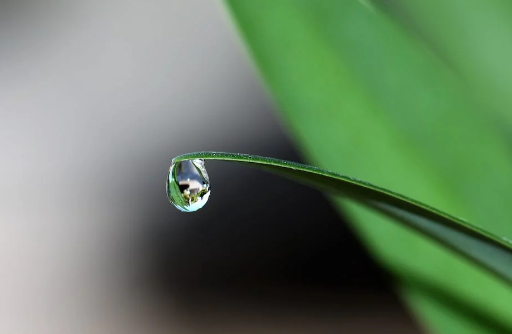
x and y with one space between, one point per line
473 36
491 252
361 95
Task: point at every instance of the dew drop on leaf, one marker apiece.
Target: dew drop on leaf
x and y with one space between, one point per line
188 185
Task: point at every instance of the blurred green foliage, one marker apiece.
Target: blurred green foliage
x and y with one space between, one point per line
413 96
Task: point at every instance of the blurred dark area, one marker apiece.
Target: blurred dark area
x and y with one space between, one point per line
95 99
258 249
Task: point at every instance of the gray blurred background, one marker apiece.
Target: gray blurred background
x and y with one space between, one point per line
96 97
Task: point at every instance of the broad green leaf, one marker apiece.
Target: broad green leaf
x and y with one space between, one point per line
485 249
363 97
473 36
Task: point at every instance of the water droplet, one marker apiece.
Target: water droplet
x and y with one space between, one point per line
188 185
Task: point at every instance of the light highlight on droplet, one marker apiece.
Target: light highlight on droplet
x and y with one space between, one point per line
188 185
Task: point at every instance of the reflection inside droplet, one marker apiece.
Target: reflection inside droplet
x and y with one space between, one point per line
188 185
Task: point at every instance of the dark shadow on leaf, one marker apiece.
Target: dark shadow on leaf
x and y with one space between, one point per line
457 304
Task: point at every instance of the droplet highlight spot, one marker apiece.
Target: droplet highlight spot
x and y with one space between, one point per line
188 185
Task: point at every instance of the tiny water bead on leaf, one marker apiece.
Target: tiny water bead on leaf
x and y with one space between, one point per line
188 185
